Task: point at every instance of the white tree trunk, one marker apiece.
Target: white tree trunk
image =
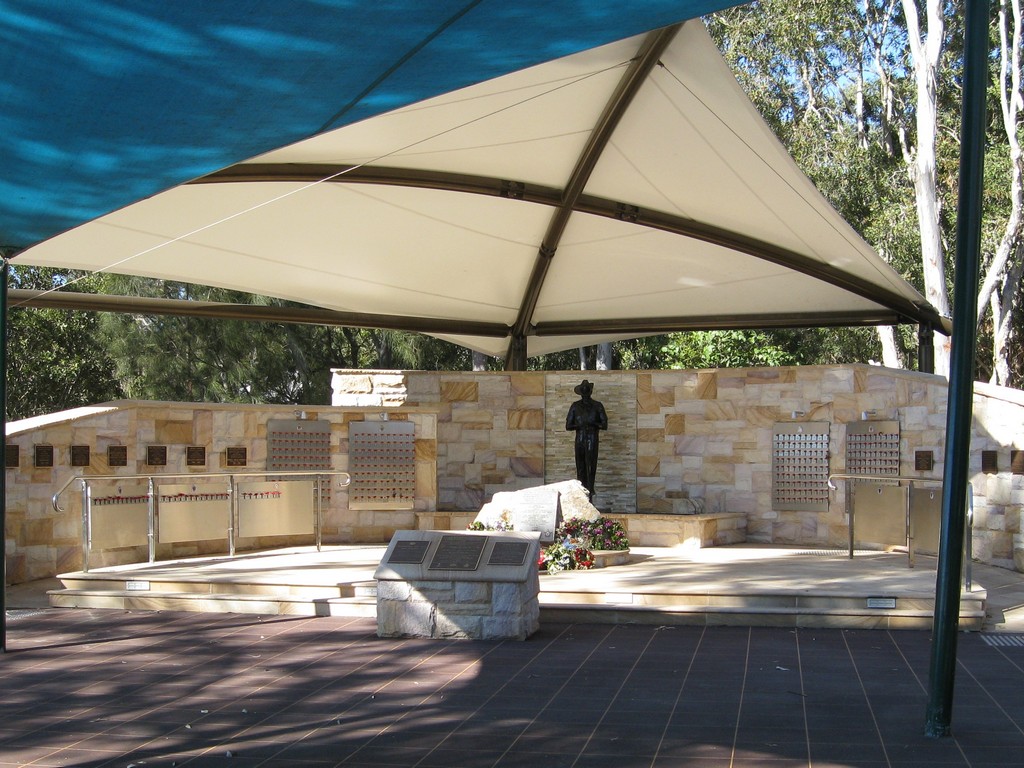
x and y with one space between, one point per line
479 361
604 356
927 54
1006 266
890 354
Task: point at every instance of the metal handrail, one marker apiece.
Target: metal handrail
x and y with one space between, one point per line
968 552
196 475
231 477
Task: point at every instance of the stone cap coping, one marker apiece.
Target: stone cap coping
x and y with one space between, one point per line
388 571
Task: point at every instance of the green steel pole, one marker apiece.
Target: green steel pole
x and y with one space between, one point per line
942 669
3 440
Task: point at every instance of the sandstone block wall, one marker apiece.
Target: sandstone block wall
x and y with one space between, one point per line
41 542
703 440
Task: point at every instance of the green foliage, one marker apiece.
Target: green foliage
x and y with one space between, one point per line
55 360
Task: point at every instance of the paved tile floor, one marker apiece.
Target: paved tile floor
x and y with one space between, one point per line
115 688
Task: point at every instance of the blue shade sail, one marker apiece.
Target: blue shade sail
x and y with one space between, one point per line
106 103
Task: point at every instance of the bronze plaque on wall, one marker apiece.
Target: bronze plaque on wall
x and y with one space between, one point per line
195 456
236 456
44 455
924 460
117 455
1017 462
12 456
79 455
156 455
990 462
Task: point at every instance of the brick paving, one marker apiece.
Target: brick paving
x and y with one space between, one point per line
116 688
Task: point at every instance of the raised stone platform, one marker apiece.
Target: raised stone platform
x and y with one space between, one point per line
743 585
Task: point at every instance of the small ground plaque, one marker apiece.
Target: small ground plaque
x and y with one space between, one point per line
458 553
117 455
508 553
409 552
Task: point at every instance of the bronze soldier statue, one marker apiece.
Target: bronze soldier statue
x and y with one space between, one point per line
588 418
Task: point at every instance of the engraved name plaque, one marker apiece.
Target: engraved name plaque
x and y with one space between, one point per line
236 456
195 456
458 553
409 552
12 457
79 455
117 455
156 455
535 509
508 553
44 455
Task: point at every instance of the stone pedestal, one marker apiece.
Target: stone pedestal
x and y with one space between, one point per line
497 597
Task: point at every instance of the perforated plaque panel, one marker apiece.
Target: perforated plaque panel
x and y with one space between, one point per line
382 463
294 445
800 466
873 448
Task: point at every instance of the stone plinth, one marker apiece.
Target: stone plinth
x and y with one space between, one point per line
440 598
693 531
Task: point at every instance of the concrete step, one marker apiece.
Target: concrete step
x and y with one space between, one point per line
214 602
359 599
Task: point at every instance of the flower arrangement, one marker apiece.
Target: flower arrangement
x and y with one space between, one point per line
566 555
601 533
503 523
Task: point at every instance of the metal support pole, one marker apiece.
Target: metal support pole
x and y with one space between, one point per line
86 524
942 669
151 513
232 514
3 437
925 349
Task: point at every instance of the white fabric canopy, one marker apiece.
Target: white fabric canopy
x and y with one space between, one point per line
627 190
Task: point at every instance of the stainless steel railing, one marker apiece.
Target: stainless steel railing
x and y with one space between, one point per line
968 552
230 495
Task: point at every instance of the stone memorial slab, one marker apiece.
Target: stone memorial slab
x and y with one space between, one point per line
459 585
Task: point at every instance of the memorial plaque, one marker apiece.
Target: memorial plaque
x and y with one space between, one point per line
535 509
924 460
409 552
44 455
117 455
1017 462
508 553
195 456
79 455
156 455
458 553
12 456
990 462
236 456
